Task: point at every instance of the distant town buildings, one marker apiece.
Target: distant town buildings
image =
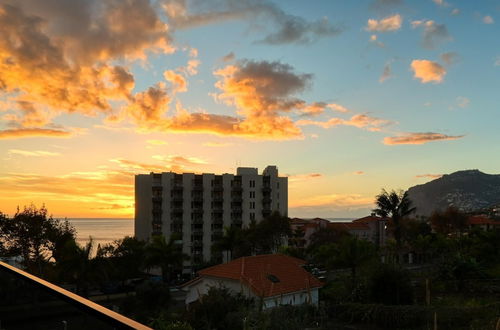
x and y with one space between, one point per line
370 228
482 222
195 208
273 279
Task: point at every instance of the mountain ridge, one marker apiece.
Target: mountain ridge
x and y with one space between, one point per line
467 190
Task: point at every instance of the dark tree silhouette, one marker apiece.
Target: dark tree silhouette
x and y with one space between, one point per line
398 207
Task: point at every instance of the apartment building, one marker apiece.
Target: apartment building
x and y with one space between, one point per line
197 207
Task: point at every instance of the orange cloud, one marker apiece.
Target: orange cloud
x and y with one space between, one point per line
360 121
156 142
429 176
358 173
148 106
179 82
337 107
60 56
334 201
217 144
428 71
419 138
32 132
390 23
303 177
262 92
36 153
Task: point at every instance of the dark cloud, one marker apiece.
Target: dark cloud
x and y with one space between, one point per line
288 28
433 33
384 6
449 58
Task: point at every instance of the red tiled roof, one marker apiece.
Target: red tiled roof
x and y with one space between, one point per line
299 221
254 272
305 221
349 226
370 218
482 220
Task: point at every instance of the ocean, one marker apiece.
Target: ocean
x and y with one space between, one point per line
107 230
102 230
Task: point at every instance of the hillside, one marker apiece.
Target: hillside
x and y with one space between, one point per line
467 190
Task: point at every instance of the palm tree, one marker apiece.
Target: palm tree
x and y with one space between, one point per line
398 206
76 262
353 252
166 255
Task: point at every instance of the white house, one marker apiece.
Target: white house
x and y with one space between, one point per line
275 278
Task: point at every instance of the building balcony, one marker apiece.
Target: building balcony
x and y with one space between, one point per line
266 189
177 220
177 198
236 199
197 198
157 211
218 232
217 187
218 199
157 199
198 243
197 210
236 210
237 188
236 217
198 231
176 210
266 200
217 210
217 220
198 188
177 187
197 220
266 213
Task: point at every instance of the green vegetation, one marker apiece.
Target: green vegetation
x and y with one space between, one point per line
452 281
267 236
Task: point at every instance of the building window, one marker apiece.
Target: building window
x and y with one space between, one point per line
252 216
252 194
252 205
252 183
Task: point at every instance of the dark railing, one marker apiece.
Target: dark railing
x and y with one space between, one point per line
28 302
177 198
198 188
217 220
217 187
218 199
237 188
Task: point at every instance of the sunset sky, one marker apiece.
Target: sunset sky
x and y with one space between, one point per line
345 97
